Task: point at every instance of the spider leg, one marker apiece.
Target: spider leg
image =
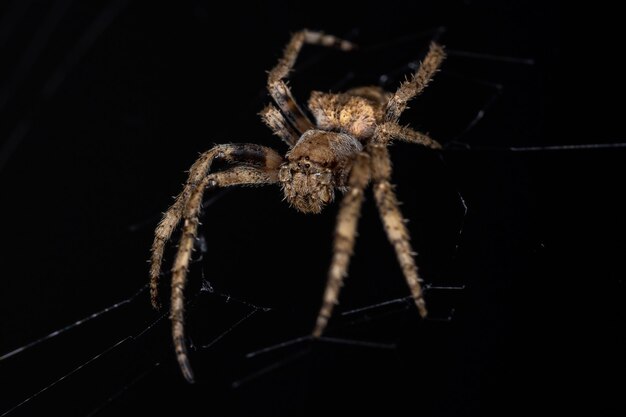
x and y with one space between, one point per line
239 175
345 233
387 131
232 153
276 79
394 222
276 122
418 82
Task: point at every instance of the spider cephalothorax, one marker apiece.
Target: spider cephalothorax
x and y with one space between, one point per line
344 149
318 163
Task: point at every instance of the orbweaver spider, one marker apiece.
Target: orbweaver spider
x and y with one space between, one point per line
345 148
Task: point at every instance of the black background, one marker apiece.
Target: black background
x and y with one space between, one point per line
105 104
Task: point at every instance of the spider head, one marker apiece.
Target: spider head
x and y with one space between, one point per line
307 186
316 165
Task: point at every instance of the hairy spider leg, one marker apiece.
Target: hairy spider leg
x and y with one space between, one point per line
276 85
388 131
273 119
240 175
394 222
418 82
231 153
388 206
345 235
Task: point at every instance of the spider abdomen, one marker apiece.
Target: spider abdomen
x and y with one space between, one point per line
356 112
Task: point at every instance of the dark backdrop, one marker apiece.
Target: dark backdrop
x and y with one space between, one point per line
105 104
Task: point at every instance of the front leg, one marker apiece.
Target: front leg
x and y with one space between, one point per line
345 233
240 175
276 85
394 222
262 157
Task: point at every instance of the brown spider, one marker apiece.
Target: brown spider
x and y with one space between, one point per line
344 149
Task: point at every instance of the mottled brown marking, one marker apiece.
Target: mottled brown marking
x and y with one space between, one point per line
356 112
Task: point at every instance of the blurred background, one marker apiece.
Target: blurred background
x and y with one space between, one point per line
105 104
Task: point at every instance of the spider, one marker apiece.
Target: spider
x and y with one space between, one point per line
344 148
